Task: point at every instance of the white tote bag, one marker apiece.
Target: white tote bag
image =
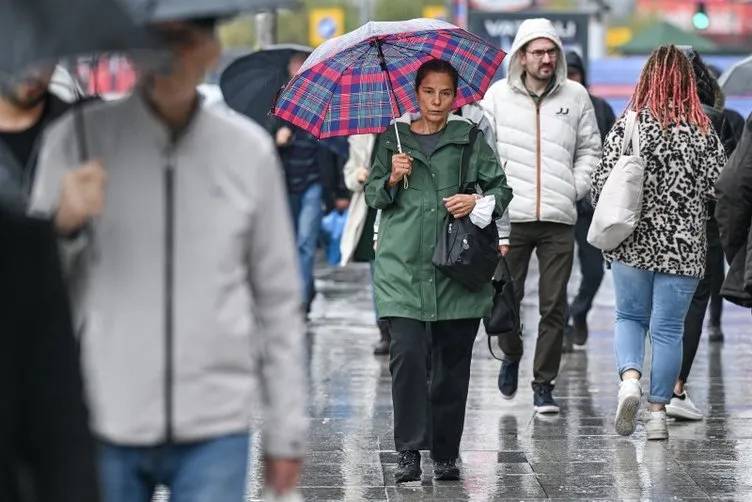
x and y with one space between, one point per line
620 203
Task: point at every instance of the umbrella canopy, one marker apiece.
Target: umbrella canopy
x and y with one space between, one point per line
154 11
737 80
34 31
251 82
359 82
662 33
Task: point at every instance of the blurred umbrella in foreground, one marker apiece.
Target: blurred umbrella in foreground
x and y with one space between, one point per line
44 31
250 83
737 80
157 11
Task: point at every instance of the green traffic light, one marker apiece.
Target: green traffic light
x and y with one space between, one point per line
701 21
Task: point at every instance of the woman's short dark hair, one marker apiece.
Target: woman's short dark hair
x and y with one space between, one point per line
437 66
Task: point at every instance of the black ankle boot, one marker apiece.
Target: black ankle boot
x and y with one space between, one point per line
446 470
408 468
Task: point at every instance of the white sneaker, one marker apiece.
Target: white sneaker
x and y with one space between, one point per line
655 425
626 411
683 407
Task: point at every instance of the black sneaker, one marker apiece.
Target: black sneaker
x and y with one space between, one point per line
408 467
715 334
508 378
579 331
446 470
543 400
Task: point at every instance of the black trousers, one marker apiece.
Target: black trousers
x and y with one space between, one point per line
429 404
696 314
591 264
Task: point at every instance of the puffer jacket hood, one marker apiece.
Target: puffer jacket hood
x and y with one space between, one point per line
529 30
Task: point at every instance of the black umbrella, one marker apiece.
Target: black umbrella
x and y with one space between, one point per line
155 11
34 31
251 83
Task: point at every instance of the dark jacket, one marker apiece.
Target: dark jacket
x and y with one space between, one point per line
46 451
722 127
736 121
16 179
330 162
604 114
734 215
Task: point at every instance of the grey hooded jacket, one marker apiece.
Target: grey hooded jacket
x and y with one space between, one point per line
190 294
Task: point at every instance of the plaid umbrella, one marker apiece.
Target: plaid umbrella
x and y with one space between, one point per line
359 82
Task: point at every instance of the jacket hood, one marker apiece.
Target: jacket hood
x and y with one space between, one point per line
457 129
410 117
529 30
575 61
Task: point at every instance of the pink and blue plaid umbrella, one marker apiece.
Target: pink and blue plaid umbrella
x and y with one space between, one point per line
359 82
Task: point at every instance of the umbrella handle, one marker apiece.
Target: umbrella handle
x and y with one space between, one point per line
392 99
405 183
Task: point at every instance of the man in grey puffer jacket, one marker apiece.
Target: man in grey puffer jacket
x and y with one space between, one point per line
548 137
189 284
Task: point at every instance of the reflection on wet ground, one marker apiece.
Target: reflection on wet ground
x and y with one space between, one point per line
507 452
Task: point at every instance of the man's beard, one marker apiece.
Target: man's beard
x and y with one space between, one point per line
9 93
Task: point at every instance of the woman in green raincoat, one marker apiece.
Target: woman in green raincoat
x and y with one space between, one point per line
428 312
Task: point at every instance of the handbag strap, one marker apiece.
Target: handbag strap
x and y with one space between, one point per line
465 159
631 132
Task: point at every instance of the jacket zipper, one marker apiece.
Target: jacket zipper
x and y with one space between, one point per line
169 178
537 161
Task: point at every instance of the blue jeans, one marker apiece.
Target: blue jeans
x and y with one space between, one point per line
307 214
658 303
207 471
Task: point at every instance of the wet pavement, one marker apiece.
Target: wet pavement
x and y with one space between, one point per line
508 453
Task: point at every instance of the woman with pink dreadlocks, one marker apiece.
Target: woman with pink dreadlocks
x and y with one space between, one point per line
657 268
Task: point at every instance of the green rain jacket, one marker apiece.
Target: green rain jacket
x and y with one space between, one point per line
406 282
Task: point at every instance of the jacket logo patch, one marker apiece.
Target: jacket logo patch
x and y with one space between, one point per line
563 111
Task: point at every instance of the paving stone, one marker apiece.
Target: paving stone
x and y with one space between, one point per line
507 452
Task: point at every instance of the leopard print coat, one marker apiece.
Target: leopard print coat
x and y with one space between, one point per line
682 166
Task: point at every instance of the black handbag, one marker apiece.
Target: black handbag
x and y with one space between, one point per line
504 319
464 252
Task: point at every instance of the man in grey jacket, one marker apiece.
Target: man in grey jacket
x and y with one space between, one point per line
189 284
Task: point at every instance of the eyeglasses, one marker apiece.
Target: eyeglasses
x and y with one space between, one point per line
553 52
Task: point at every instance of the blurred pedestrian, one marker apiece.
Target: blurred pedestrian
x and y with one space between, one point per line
27 107
548 136
734 215
428 312
358 238
734 118
313 175
46 449
712 100
475 114
657 268
192 291
590 257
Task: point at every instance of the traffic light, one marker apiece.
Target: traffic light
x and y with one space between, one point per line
700 19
